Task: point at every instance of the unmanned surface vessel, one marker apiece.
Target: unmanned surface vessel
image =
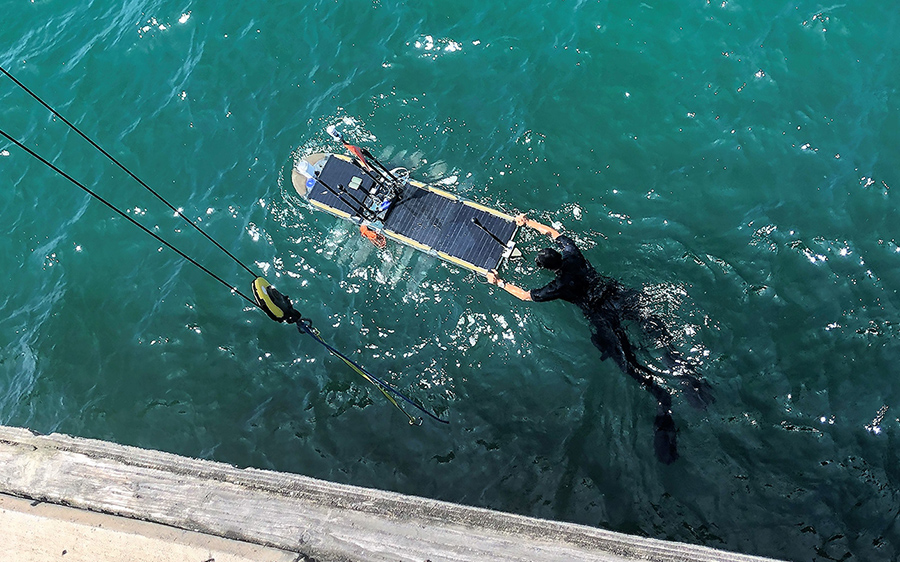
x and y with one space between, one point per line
389 205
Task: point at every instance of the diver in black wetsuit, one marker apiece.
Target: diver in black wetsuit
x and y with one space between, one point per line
606 303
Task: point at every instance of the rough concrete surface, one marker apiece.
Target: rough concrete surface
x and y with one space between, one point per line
40 532
312 519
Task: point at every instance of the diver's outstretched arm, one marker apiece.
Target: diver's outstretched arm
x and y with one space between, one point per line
522 220
508 287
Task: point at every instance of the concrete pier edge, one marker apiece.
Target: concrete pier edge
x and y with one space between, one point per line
315 519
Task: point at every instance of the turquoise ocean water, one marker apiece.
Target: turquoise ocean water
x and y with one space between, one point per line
736 159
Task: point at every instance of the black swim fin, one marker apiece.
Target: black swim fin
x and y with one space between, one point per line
665 438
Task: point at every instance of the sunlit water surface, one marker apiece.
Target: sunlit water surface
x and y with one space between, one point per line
736 160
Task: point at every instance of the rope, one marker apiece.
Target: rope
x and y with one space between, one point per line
303 324
306 327
126 170
126 216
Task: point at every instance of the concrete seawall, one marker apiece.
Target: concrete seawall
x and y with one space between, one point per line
94 500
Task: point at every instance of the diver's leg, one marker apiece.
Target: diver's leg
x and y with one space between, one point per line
698 391
614 343
641 373
629 304
665 434
604 340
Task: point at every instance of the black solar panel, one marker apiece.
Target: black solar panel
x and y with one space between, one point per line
446 226
337 173
442 223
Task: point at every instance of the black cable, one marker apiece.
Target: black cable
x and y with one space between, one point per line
126 216
126 170
382 385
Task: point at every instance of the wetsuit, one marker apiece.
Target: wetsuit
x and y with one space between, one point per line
606 303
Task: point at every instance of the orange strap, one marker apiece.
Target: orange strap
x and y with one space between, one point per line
359 156
376 238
